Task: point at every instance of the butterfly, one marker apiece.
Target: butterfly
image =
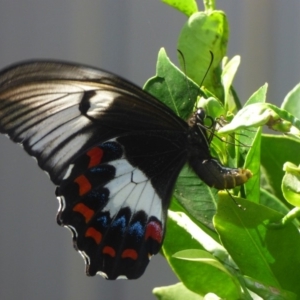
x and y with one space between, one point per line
114 153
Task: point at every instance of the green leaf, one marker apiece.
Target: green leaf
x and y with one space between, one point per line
291 102
197 276
209 264
275 151
188 7
250 148
252 162
291 183
260 251
172 87
195 196
271 201
268 292
216 110
227 76
204 32
189 236
290 217
259 114
175 292
212 107
258 96
200 256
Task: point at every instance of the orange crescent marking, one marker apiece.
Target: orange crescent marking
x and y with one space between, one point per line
129 253
109 250
95 156
84 184
94 234
84 210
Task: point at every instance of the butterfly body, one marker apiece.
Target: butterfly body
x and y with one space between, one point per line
113 151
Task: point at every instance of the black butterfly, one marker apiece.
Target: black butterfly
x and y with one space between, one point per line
113 151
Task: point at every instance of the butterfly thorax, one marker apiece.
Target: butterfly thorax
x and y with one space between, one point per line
197 136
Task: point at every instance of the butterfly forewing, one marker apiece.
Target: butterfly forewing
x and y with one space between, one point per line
58 111
113 151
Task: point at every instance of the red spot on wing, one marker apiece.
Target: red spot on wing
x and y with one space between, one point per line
94 234
154 231
129 253
84 184
95 155
84 210
109 250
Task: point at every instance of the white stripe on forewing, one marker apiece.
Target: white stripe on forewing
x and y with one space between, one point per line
52 136
100 101
45 118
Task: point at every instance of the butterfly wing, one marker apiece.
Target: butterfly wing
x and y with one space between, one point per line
57 111
113 151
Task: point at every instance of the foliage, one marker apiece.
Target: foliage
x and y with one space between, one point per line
218 249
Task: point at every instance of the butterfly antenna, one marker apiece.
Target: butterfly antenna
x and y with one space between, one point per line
209 67
184 70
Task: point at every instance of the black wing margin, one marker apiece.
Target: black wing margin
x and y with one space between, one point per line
59 110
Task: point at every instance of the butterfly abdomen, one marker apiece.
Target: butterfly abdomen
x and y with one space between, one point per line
209 169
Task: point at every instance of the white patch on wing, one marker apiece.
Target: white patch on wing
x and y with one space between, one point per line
122 277
46 118
135 196
118 183
53 136
102 274
131 188
61 203
69 171
64 154
73 230
85 257
100 102
116 202
122 166
138 176
150 202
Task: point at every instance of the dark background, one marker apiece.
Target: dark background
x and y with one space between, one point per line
37 260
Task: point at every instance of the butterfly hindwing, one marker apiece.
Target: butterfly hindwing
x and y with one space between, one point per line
116 211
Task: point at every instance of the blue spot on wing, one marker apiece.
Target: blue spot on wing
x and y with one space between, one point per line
112 151
120 222
137 229
103 169
101 195
103 221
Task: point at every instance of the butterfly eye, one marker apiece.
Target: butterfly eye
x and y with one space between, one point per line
200 115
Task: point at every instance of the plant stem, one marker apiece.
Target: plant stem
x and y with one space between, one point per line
209 5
